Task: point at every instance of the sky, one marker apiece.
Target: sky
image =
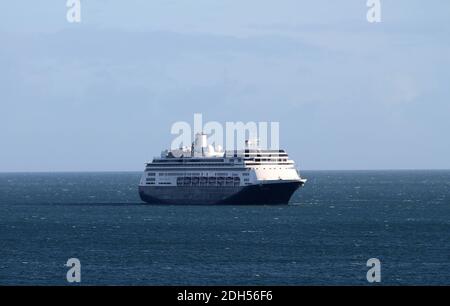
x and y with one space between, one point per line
102 94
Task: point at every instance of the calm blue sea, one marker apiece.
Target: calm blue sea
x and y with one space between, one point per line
334 224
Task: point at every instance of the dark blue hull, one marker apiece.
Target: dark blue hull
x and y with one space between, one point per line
260 194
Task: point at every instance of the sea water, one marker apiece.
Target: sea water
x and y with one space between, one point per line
333 225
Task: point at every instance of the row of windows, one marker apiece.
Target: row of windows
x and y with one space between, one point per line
160 183
270 160
208 181
189 160
181 168
175 174
255 151
152 174
269 164
156 164
269 168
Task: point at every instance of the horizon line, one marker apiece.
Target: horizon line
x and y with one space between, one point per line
301 170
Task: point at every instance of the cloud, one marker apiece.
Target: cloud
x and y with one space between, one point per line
92 92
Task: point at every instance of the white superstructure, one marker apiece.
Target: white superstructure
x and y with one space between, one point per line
204 167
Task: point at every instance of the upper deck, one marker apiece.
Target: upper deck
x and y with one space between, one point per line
202 155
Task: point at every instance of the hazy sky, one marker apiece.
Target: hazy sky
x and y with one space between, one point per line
102 94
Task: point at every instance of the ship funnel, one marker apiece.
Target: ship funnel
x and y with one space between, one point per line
200 144
201 140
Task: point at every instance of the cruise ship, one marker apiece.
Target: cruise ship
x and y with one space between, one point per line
203 174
